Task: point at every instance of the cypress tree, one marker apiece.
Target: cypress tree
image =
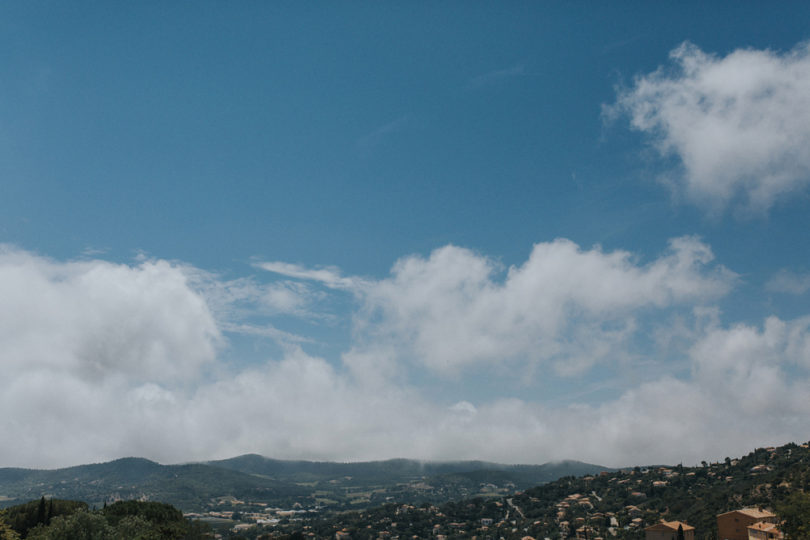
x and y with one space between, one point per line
41 515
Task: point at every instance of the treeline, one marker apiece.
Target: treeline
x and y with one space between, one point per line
55 519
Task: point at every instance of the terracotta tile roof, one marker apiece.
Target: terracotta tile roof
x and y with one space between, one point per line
670 525
762 526
755 513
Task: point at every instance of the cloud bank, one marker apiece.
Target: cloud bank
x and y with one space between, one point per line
738 125
103 360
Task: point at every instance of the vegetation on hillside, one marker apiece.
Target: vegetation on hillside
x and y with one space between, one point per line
402 470
189 487
60 520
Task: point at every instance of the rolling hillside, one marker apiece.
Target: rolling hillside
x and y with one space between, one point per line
405 470
256 480
189 487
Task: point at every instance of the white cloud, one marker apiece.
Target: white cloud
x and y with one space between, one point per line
739 124
265 330
329 276
789 282
566 305
97 320
464 408
77 338
286 297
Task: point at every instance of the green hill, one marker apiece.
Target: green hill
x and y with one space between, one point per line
402 470
190 487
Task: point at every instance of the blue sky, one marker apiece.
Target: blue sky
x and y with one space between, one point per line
356 231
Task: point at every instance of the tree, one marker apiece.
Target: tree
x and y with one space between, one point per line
167 520
42 516
137 527
81 524
23 517
680 532
795 515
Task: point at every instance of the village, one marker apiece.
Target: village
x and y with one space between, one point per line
733 499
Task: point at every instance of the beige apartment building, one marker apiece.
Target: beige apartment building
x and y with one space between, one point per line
734 525
668 530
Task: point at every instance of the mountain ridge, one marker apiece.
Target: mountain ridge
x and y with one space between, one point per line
196 486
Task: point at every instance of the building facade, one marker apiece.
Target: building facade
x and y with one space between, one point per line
668 530
734 525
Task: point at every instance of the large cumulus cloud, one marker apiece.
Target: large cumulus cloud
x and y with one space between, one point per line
82 343
565 304
99 320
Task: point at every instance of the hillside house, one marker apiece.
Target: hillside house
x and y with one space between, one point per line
585 532
633 511
734 525
668 530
